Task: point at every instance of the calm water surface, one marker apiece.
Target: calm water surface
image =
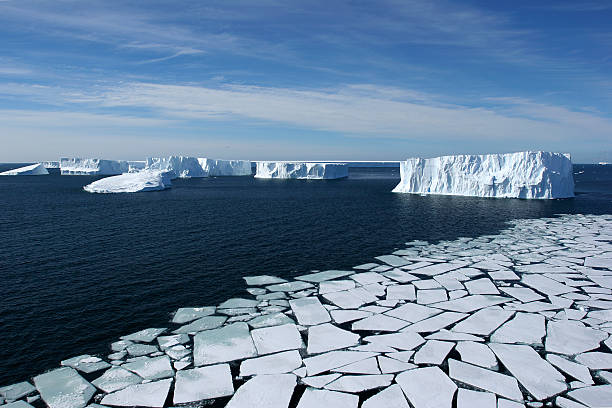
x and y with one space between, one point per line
79 270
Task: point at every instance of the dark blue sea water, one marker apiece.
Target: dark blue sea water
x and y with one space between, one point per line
78 270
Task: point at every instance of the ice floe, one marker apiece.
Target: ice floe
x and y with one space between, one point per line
514 318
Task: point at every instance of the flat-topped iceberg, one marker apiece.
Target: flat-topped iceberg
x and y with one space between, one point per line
93 167
181 166
301 170
534 175
145 180
32 170
186 167
216 167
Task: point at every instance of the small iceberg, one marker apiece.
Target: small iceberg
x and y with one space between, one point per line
51 164
146 180
301 170
37 169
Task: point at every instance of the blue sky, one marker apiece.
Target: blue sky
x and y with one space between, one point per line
317 80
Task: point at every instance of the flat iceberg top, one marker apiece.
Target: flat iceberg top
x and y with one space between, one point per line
32 170
301 170
145 180
533 175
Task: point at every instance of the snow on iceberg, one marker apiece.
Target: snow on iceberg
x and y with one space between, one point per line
180 166
32 170
535 175
215 167
92 167
301 170
145 180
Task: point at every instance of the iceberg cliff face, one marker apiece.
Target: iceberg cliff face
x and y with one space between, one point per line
301 170
534 175
32 170
181 166
214 167
145 180
93 167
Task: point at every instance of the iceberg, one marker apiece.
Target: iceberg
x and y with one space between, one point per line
32 170
216 167
301 170
93 167
530 175
180 166
186 167
51 164
145 180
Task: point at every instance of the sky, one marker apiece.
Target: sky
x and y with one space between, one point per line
304 80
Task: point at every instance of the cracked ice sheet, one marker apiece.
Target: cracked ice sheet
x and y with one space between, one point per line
471 303
433 352
525 328
334 359
427 387
265 391
203 383
309 311
391 396
379 322
64 388
436 323
540 378
151 394
484 321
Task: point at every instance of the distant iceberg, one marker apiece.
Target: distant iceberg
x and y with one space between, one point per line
180 166
93 167
216 167
533 175
51 164
37 169
301 170
186 167
145 180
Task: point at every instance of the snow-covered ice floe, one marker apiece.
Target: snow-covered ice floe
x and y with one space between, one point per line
32 170
533 175
301 170
431 325
186 167
93 167
145 180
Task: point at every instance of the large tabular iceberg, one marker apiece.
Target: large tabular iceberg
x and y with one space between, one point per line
93 167
215 167
301 170
32 170
181 166
540 175
145 180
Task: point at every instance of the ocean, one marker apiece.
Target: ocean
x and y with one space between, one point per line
79 270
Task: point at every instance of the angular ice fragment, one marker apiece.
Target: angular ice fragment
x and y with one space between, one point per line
570 337
334 359
324 276
187 314
598 396
144 336
471 303
359 383
262 280
437 322
327 337
151 394
274 319
575 370
486 380
203 383
309 311
279 363
265 391
150 368
16 391
433 352
313 398
477 354
277 338
64 388
484 321
115 379
379 322
391 396
427 387
229 343
475 399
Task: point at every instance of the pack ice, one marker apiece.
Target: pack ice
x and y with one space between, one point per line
32 170
532 175
186 167
145 180
301 170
